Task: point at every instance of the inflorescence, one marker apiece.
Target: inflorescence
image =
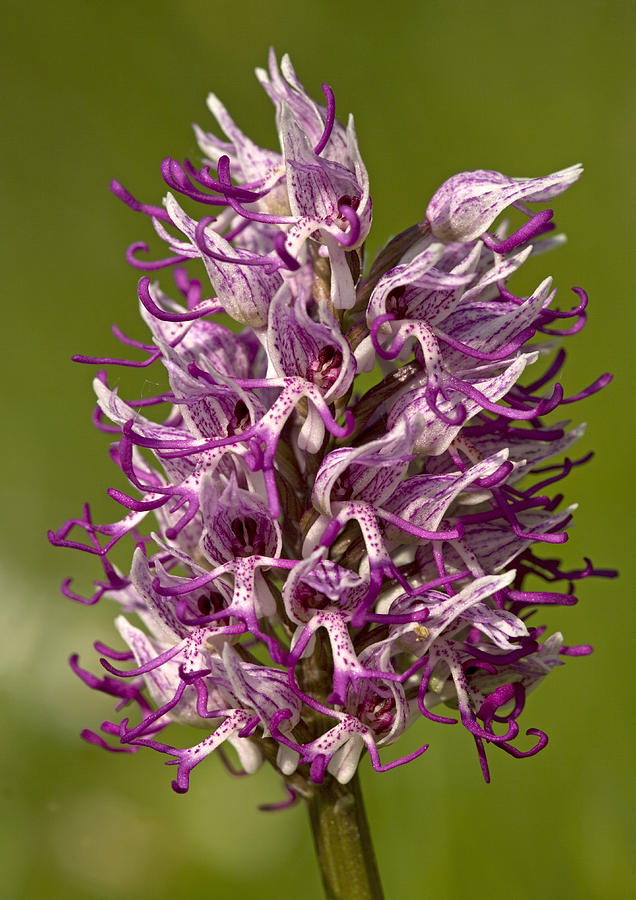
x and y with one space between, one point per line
330 560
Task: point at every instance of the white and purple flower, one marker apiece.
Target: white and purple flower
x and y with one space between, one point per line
317 564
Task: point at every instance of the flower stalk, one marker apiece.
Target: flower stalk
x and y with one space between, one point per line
342 841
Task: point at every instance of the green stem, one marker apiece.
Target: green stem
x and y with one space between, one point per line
343 842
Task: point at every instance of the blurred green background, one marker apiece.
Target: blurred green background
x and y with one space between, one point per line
95 91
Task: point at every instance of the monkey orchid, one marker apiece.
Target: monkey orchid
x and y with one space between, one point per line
320 558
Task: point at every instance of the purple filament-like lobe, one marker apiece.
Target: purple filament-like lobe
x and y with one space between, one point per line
532 228
329 119
126 197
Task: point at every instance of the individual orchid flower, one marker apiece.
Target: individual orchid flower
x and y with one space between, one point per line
466 205
299 346
338 516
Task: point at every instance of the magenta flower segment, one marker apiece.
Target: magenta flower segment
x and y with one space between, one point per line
320 558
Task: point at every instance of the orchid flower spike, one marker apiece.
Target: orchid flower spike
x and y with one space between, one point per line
316 563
